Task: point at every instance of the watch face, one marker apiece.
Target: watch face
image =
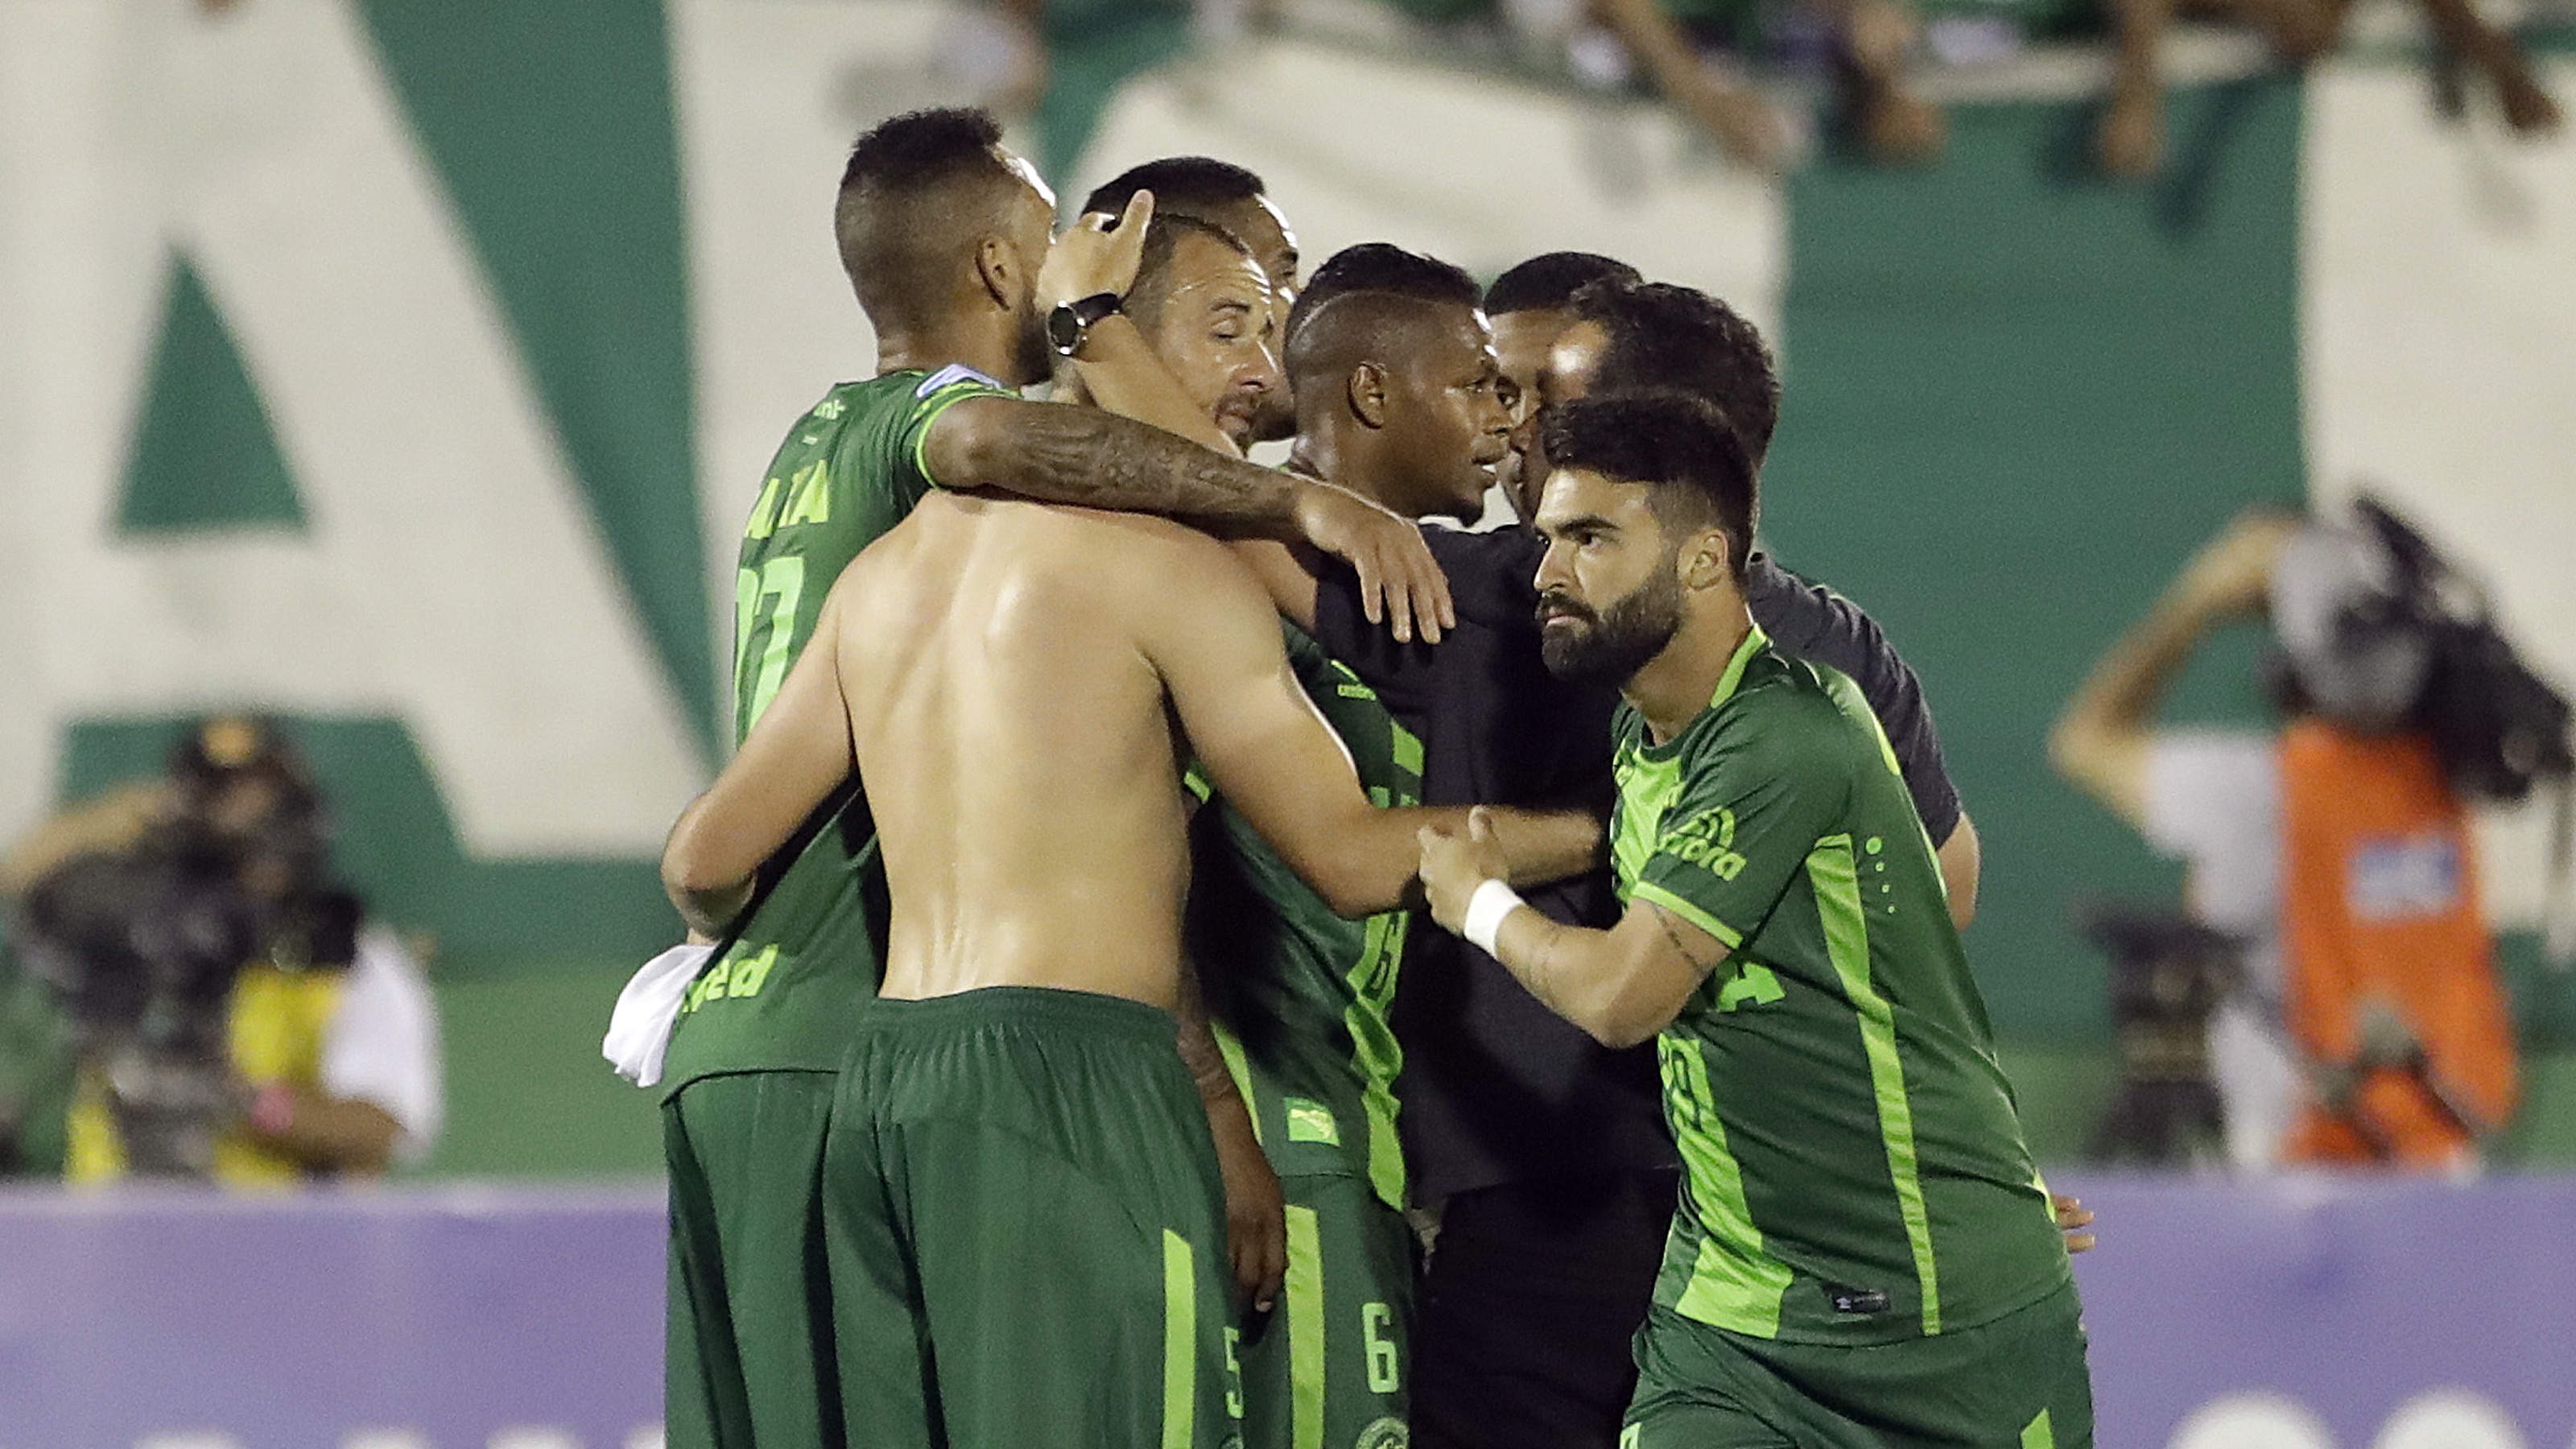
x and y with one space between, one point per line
1064 331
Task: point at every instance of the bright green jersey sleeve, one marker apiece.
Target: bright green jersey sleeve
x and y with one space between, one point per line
1854 1170
1726 817
850 469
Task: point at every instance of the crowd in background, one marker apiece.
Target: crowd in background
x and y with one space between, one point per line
1736 69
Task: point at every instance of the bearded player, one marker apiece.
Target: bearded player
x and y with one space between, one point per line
1862 1254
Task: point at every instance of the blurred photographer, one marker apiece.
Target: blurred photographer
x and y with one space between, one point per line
2368 1026
234 1015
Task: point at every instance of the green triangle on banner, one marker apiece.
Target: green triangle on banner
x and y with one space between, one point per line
204 454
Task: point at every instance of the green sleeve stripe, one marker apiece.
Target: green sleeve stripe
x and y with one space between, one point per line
2038 1435
1657 895
1180 1343
1377 1058
929 412
1735 1283
1836 877
1305 1287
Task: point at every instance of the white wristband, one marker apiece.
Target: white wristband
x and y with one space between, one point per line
1486 909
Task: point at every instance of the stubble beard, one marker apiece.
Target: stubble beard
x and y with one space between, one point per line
1036 354
1612 645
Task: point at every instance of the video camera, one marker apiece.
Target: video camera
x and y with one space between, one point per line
143 946
2379 630
2498 728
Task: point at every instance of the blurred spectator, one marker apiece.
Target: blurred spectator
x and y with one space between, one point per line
234 1015
2131 138
1866 45
2369 1026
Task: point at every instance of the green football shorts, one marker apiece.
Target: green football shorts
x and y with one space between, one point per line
1327 1370
1026 1229
2019 1382
748 1354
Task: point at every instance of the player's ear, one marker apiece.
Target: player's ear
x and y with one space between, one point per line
998 272
1707 559
1368 387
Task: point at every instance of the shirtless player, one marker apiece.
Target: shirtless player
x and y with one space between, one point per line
1021 1200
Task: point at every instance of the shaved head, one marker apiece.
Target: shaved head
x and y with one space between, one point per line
1351 328
921 196
1408 387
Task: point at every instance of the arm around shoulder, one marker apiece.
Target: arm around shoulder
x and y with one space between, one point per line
792 761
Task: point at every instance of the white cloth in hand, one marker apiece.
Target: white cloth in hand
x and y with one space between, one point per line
639 1029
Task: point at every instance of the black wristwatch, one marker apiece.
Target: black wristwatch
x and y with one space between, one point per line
1067 325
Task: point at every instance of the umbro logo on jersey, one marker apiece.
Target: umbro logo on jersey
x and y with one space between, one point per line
1855 1300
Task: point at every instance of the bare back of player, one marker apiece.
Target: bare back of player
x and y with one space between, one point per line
1017 684
1007 677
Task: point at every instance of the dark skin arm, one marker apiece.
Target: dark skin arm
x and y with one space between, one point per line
1256 1225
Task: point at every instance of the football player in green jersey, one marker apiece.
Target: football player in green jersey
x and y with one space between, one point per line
1400 393
1862 1254
1020 1204
946 237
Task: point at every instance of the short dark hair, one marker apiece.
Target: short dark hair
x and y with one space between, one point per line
918 148
1666 336
1153 285
1550 281
1180 183
1684 449
913 189
1384 267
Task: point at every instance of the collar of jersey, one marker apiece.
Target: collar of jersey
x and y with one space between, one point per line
1754 639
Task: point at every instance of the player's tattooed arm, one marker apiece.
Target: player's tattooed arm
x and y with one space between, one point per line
1096 459
1621 985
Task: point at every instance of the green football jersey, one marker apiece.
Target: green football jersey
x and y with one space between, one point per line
1298 995
789 984
1854 1170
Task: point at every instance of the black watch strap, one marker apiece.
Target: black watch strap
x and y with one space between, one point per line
1068 324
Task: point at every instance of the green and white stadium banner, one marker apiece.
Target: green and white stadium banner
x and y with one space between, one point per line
406 371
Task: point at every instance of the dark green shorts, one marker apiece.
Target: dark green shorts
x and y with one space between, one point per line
748 1356
1327 1370
2019 1382
1026 1230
